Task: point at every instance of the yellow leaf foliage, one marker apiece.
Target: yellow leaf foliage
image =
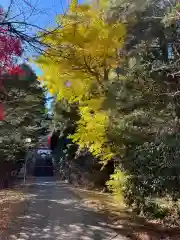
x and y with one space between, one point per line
91 130
76 65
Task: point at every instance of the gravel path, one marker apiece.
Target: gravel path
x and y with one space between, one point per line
54 213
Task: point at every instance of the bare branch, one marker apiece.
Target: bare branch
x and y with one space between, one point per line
9 9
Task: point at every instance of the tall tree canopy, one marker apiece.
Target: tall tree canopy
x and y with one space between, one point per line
125 82
77 66
25 114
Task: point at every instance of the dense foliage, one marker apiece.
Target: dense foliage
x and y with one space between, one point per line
10 47
25 113
144 128
125 84
84 52
22 99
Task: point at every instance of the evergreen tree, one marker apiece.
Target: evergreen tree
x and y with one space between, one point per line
144 125
24 114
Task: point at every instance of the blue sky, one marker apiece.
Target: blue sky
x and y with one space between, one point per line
38 12
42 12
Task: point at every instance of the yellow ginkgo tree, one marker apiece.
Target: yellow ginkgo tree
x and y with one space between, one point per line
76 66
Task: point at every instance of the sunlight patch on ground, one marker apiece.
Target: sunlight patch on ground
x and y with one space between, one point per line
99 201
9 195
11 202
123 220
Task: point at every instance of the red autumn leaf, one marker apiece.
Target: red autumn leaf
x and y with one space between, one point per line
16 70
49 141
2 115
10 46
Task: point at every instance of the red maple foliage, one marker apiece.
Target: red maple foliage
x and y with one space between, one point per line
2 114
10 47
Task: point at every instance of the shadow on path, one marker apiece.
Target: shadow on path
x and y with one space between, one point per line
55 213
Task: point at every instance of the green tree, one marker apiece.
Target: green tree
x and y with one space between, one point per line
24 114
144 123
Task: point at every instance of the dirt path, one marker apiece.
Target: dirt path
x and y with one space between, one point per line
54 213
